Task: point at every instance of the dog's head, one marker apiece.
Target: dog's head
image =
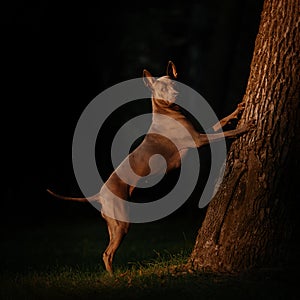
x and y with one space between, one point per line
162 88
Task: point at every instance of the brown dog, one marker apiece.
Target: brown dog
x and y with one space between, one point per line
154 143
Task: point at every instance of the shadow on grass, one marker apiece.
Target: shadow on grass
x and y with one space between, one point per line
62 260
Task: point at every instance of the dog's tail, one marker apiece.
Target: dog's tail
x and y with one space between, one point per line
78 199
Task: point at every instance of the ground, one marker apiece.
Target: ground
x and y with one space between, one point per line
61 259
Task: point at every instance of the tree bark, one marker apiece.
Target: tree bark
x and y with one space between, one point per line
246 223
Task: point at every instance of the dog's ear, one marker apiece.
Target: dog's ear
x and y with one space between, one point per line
148 79
171 70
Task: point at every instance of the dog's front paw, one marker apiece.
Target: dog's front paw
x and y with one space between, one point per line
240 108
251 124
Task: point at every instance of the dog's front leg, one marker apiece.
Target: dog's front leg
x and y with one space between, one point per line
228 119
204 139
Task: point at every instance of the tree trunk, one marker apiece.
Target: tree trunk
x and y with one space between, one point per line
246 223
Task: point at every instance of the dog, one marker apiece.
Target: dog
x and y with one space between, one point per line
163 98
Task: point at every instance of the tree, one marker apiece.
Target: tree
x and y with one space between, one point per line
247 222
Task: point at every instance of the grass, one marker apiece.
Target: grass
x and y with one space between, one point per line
62 260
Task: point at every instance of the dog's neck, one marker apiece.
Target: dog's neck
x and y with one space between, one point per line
164 97
165 127
170 108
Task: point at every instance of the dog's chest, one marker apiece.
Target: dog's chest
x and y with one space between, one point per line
177 130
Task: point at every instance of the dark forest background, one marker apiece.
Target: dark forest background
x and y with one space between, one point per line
57 56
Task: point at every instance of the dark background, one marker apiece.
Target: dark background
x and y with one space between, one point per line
57 56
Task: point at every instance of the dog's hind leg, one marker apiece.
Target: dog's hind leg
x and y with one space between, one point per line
117 230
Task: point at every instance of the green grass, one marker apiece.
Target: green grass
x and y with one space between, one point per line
62 260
